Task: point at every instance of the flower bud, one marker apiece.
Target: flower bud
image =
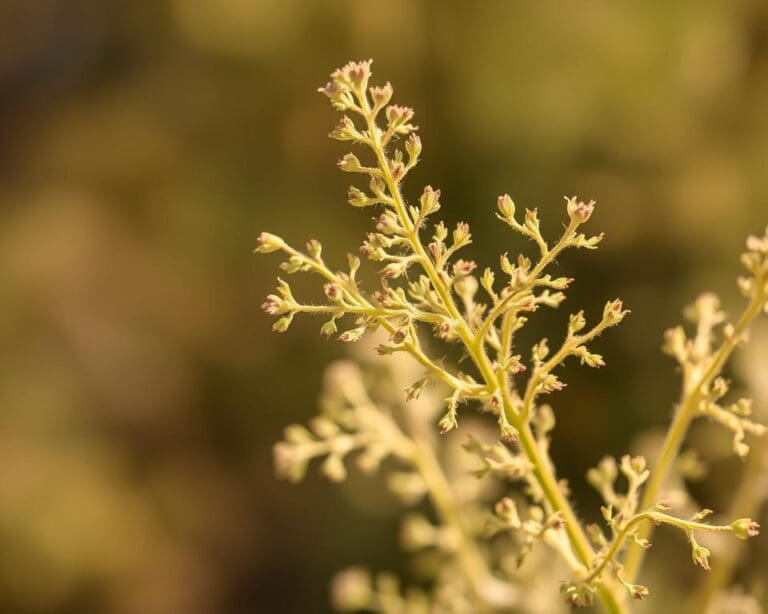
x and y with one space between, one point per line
397 115
429 201
329 328
579 211
462 234
579 595
354 74
462 268
577 322
267 243
381 95
350 164
744 528
413 148
506 207
441 232
614 312
352 335
700 555
283 324
398 170
339 95
345 131
387 223
394 269
357 198
448 421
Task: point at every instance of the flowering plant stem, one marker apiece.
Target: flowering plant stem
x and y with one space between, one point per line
440 294
474 347
689 406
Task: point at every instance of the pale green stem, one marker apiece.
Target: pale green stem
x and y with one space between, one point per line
547 256
473 344
655 518
747 503
411 345
571 343
681 421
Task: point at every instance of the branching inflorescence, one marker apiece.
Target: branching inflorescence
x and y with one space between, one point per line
425 287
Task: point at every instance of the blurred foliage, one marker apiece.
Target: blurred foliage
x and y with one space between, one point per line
144 144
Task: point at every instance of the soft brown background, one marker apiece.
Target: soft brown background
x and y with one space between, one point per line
143 146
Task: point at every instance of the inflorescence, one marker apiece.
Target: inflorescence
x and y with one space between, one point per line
426 289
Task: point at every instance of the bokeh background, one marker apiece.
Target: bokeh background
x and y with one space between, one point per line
145 144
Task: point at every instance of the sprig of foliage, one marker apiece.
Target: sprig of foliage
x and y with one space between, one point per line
425 287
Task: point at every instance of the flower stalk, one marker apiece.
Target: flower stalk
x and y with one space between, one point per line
426 287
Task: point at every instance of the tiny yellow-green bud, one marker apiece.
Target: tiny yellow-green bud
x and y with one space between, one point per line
506 207
357 198
700 555
283 324
614 312
350 163
744 528
268 242
462 234
413 148
429 201
345 131
352 335
329 328
577 322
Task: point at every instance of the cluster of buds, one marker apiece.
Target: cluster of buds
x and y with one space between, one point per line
620 509
498 460
696 356
733 416
527 531
348 424
578 594
425 286
755 260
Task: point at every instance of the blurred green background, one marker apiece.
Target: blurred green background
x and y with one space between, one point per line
144 145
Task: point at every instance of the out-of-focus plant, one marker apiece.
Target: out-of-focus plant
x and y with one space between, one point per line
425 288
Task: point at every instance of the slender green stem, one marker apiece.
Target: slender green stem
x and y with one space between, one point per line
656 518
747 502
559 503
569 346
412 345
547 256
474 346
681 421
